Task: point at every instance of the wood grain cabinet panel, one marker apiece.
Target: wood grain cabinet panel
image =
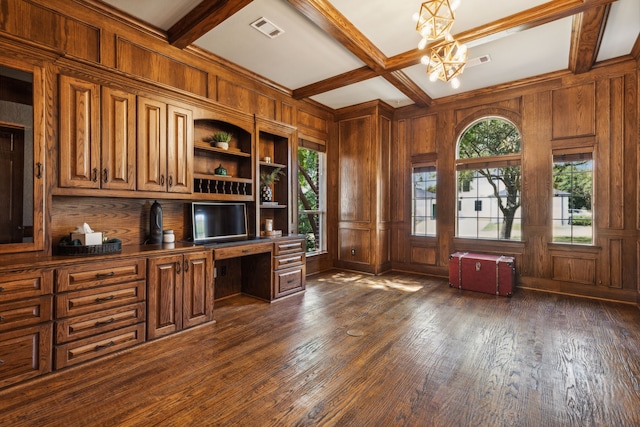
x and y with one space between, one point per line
165 147
180 292
197 289
25 324
79 133
118 155
91 275
289 267
98 346
25 312
25 353
91 300
97 136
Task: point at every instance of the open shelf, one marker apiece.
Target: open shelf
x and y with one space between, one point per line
237 160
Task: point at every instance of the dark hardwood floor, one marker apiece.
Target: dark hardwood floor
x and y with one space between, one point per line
428 355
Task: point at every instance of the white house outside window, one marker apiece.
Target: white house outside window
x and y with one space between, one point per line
423 207
572 198
489 178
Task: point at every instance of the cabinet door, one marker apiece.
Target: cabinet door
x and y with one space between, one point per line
25 353
197 297
118 152
79 133
152 145
179 150
164 298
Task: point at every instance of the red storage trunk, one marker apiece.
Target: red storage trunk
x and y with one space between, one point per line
492 274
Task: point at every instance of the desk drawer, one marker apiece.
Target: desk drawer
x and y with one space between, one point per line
241 250
288 281
98 345
286 261
284 247
95 274
99 322
25 312
91 300
25 353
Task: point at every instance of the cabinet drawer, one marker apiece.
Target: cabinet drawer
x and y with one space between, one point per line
288 281
25 283
288 247
25 353
98 345
84 276
99 322
25 312
287 261
241 250
91 300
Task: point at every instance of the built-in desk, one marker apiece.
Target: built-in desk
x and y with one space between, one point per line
263 268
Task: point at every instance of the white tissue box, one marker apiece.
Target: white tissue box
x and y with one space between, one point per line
88 239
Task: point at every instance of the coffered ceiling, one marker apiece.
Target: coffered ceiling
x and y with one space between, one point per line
344 52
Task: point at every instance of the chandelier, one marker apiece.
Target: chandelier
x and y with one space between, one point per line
448 58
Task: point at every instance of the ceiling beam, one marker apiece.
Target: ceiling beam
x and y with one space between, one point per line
328 18
405 85
586 36
336 82
201 19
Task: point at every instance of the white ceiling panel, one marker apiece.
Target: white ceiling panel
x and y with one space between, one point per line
368 90
160 13
623 24
302 55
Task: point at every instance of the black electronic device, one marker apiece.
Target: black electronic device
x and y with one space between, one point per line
218 222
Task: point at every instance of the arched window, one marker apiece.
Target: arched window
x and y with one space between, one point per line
489 178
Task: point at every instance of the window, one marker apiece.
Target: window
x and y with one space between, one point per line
423 207
489 177
312 196
572 198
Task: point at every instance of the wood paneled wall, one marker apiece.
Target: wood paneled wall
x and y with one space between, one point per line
596 111
100 46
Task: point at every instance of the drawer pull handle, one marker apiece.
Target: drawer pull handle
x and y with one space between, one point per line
178 268
1 318
102 299
105 322
103 346
290 281
246 251
186 266
103 275
1 362
289 245
1 289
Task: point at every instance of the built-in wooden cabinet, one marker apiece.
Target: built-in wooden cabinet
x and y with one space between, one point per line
289 267
100 309
276 156
165 147
180 292
364 176
223 174
97 136
25 324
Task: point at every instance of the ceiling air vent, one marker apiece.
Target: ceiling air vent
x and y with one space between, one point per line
478 61
267 27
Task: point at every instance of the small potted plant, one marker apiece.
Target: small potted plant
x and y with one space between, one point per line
266 180
220 139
